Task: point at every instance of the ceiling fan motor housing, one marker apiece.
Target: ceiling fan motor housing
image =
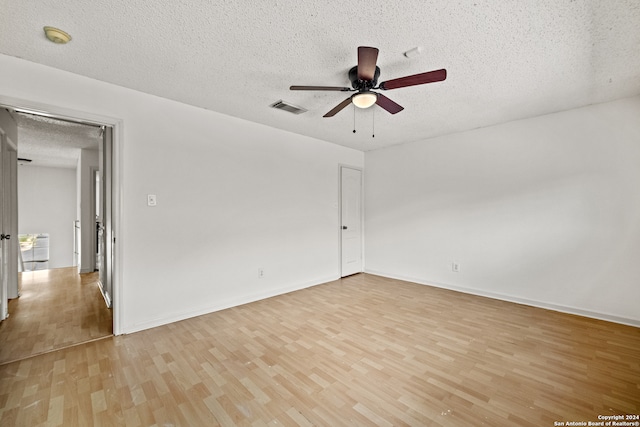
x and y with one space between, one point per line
361 85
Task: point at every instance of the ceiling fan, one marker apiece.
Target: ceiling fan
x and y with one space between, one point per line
364 78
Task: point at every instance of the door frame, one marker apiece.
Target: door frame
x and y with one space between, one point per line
361 170
56 111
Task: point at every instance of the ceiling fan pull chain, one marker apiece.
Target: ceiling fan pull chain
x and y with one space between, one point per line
354 119
373 123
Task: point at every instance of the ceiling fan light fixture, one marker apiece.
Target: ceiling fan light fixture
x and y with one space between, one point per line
364 99
56 35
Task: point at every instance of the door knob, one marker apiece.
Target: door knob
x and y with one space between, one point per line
344 227
5 236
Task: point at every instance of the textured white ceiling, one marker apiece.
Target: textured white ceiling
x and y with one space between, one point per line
54 143
506 60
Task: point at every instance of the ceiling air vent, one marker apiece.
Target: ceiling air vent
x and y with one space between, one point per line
282 105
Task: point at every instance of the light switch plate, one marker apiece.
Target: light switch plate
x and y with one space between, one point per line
151 200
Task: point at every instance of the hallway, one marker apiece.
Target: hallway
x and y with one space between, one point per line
57 308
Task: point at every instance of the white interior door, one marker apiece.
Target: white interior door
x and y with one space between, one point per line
105 215
8 210
351 220
13 244
3 258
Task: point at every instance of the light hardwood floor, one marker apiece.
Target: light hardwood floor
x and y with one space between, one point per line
363 351
56 308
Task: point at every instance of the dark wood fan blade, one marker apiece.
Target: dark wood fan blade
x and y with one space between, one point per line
338 108
416 79
367 58
388 104
334 88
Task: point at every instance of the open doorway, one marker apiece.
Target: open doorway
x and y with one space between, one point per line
77 257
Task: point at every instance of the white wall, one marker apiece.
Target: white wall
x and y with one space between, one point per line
233 196
544 211
46 204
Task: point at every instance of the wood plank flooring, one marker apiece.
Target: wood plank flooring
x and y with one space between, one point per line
56 308
360 351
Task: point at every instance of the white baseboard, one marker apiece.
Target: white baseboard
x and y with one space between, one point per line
222 305
517 300
105 295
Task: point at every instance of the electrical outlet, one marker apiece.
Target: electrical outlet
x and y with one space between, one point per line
260 273
455 267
